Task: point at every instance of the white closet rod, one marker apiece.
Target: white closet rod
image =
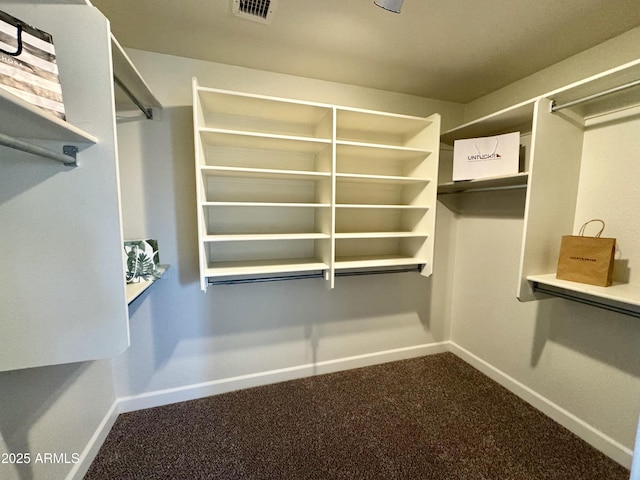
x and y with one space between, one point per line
146 110
555 108
68 157
599 302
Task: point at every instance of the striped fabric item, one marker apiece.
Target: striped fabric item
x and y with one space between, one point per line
28 66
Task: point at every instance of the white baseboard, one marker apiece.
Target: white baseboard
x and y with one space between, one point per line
591 435
95 442
214 387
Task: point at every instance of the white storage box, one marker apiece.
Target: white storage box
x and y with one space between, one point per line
486 156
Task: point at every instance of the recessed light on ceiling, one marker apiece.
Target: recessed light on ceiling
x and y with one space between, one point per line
256 10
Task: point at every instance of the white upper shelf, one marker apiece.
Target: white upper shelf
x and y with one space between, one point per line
20 119
518 116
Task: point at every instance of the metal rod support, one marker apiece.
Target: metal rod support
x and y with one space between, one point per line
239 281
68 157
555 108
147 111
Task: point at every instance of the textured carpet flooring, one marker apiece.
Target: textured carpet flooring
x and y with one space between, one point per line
434 417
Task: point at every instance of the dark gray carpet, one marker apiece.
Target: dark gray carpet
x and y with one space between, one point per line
433 417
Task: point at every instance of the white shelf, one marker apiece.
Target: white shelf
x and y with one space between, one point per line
377 128
134 290
619 292
263 173
620 297
259 114
259 139
242 237
381 235
369 261
363 178
262 267
381 207
22 120
518 117
356 177
491 183
266 204
381 150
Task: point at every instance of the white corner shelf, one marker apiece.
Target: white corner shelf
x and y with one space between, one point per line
516 118
134 290
567 126
577 133
577 130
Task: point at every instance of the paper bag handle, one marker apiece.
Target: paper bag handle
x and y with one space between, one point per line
597 235
19 39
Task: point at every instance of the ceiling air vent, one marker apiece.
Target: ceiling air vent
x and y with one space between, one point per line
256 10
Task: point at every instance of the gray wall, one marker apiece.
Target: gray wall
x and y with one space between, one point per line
180 336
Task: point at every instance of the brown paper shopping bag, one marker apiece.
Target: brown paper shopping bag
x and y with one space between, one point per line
587 259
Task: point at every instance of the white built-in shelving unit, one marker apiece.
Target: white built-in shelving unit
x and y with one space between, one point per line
288 186
580 137
584 167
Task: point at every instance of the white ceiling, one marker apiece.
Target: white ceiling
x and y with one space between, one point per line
455 50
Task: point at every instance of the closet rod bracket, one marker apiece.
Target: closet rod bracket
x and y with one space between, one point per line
72 152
